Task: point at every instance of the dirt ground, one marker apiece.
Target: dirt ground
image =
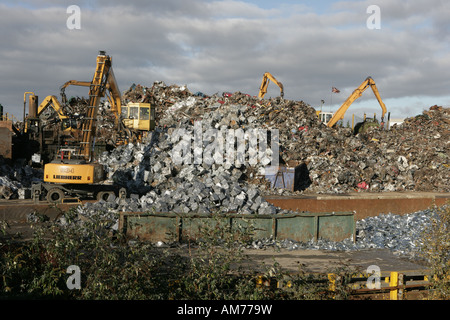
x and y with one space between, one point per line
327 261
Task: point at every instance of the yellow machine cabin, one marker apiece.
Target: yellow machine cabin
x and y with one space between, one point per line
139 116
324 117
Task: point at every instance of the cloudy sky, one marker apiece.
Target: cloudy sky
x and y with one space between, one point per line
216 46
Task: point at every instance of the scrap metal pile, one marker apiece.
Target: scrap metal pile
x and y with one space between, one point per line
16 179
410 157
401 234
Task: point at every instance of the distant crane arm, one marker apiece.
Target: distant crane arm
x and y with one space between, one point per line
265 83
339 114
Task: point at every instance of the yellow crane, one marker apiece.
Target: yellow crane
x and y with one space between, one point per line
369 82
74 173
71 83
265 83
139 117
35 111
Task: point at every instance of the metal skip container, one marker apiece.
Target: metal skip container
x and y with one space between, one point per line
301 227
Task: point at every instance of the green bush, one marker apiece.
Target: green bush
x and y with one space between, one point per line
436 251
113 267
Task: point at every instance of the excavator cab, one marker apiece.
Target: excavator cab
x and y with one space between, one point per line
139 116
324 117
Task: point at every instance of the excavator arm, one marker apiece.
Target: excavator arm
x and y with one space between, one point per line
114 97
265 83
35 111
52 101
97 90
102 84
339 114
71 83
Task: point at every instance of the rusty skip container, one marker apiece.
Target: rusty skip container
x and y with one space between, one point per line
301 227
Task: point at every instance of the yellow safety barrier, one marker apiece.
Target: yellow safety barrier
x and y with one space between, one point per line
395 283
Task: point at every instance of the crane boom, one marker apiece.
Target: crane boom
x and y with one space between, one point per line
265 83
114 99
339 114
73 83
97 91
74 172
52 101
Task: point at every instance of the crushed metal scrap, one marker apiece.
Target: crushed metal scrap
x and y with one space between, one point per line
410 157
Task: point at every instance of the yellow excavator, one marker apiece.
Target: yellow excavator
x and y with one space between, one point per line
43 136
74 174
138 117
339 114
35 111
265 83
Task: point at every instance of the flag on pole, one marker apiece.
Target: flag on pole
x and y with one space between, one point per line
335 90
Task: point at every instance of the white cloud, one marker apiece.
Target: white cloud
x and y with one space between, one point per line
215 46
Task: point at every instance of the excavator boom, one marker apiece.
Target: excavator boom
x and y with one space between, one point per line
339 114
52 101
114 98
71 83
73 172
265 83
96 92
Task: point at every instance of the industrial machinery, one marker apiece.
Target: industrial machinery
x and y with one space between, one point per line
32 120
139 116
6 133
339 114
265 83
324 117
74 173
135 118
45 135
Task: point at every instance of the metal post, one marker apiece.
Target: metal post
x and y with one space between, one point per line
332 282
389 121
400 283
393 295
316 228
